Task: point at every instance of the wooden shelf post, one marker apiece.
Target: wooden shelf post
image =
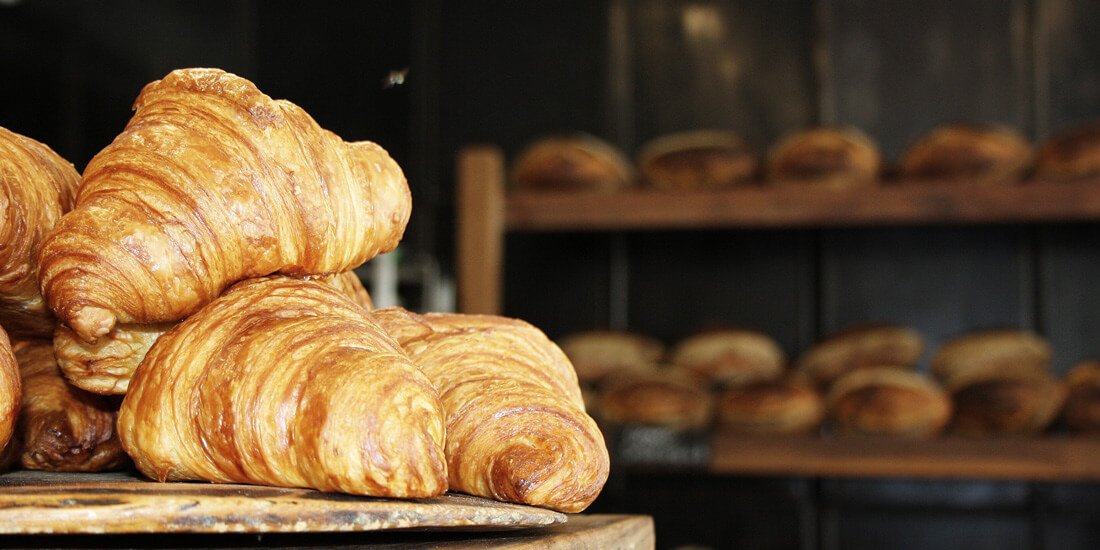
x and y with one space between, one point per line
480 221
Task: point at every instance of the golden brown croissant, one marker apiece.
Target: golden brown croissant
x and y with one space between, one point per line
285 382
36 187
105 367
63 428
516 426
10 398
210 183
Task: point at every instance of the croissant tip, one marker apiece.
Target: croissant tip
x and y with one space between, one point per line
89 323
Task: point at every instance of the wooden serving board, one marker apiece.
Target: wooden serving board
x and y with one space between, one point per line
50 503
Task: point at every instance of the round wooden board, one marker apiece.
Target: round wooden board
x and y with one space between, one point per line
50 503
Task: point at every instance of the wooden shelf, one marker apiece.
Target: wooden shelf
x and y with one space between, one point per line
485 212
1027 459
911 203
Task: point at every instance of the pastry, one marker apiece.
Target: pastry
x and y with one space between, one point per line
695 160
1081 411
575 162
991 349
285 382
105 367
1071 154
831 157
11 395
63 428
999 399
210 183
36 187
672 399
860 347
968 153
596 353
789 406
887 401
517 430
730 356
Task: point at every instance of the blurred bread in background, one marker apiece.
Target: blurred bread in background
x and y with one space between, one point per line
597 353
858 347
576 162
968 153
668 398
1081 412
730 356
697 160
887 401
1073 153
831 157
787 406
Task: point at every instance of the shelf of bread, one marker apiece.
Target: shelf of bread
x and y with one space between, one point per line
897 203
1039 458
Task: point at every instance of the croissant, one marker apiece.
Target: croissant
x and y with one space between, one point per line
517 430
36 187
10 398
105 367
210 183
285 382
63 428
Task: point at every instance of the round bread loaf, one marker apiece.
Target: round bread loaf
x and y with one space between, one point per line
1005 400
833 157
670 398
693 160
730 356
886 401
1071 154
1082 409
576 162
860 347
988 350
968 153
596 353
786 406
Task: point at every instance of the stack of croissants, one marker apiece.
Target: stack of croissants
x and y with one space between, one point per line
187 304
837 157
861 381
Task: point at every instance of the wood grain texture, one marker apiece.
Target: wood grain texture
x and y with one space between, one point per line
41 503
1037 459
917 203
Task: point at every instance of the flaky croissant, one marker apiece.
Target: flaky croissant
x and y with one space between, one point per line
516 426
11 393
36 187
210 183
285 382
105 367
62 428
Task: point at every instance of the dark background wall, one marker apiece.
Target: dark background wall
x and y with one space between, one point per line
629 70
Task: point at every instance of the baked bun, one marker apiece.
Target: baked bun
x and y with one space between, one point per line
576 162
833 157
971 153
788 406
886 401
1081 411
596 353
730 356
860 347
670 398
699 159
1071 154
985 350
1005 400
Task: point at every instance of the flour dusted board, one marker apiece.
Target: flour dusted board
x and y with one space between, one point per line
41 503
